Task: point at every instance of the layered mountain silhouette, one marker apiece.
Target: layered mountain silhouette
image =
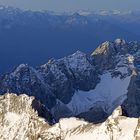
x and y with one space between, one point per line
34 37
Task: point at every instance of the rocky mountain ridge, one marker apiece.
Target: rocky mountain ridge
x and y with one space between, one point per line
81 85
18 120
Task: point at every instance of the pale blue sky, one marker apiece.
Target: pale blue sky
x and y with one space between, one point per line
72 5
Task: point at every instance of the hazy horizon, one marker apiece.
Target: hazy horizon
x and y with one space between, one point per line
73 5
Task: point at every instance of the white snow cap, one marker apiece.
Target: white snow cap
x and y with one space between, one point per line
120 41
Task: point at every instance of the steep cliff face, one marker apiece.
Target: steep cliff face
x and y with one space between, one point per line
131 105
24 79
81 85
19 120
69 74
122 58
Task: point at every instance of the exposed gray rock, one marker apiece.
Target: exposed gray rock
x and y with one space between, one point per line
69 74
95 114
24 79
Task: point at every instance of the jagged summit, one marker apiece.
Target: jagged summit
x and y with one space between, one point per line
108 54
23 104
20 68
78 53
19 119
117 46
119 41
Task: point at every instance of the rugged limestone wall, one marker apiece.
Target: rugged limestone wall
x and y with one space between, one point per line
18 120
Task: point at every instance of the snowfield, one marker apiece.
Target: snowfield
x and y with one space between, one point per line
108 91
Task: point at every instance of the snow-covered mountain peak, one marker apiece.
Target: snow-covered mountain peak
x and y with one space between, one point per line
78 60
117 112
19 118
84 12
77 19
111 54
20 67
120 41
78 53
21 70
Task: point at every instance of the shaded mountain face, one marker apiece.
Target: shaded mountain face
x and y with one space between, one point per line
35 37
82 85
20 121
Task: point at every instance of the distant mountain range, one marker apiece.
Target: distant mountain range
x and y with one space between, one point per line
35 37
